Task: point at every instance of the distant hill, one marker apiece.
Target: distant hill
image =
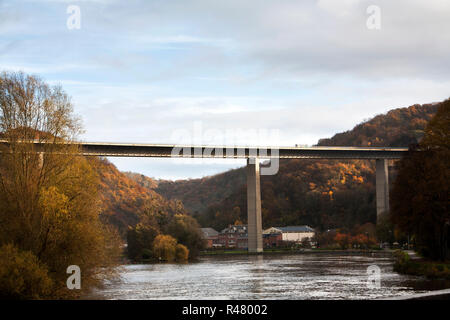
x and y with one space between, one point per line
142 180
125 196
323 194
198 194
398 128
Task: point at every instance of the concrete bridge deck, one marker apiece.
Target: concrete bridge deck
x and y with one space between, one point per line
108 149
143 150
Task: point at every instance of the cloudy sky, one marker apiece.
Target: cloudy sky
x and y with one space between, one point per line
253 72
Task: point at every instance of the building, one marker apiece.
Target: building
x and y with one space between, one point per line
235 236
210 236
290 233
271 240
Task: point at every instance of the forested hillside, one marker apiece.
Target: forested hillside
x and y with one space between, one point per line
123 200
323 194
142 180
398 128
198 194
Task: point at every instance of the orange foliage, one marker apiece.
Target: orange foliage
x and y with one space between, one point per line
122 199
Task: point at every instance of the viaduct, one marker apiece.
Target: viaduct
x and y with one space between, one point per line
381 156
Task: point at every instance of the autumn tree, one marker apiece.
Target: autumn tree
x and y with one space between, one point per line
342 239
48 192
165 247
163 218
420 195
181 253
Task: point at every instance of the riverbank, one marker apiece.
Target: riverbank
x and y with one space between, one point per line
433 295
405 264
270 251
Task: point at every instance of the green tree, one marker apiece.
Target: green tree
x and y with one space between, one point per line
186 230
140 239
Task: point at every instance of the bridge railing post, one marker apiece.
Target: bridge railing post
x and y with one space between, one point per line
254 218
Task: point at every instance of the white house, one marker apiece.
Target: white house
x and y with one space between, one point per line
292 233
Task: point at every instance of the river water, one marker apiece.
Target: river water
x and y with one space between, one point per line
276 276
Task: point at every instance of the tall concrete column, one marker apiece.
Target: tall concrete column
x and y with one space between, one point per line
255 242
382 186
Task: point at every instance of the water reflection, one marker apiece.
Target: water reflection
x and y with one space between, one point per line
256 274
304 276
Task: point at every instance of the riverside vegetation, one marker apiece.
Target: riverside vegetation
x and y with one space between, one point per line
420 202
421 267
48 204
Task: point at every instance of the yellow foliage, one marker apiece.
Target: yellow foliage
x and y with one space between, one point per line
55 205
164 247
182 253
48 201
22 276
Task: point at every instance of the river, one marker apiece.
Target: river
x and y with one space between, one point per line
275 276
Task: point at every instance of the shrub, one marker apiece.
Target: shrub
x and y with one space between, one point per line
22 276
402 261
182 253
343 240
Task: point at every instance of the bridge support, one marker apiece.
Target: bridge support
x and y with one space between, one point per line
382 184
254 218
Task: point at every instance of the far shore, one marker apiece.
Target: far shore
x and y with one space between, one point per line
270 251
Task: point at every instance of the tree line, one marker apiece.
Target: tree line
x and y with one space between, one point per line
420 202
163 234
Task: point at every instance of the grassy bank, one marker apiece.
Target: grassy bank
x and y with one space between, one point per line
431 269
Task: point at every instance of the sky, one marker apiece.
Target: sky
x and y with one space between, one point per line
254 72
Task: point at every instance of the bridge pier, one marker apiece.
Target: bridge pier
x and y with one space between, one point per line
254 218
382 186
